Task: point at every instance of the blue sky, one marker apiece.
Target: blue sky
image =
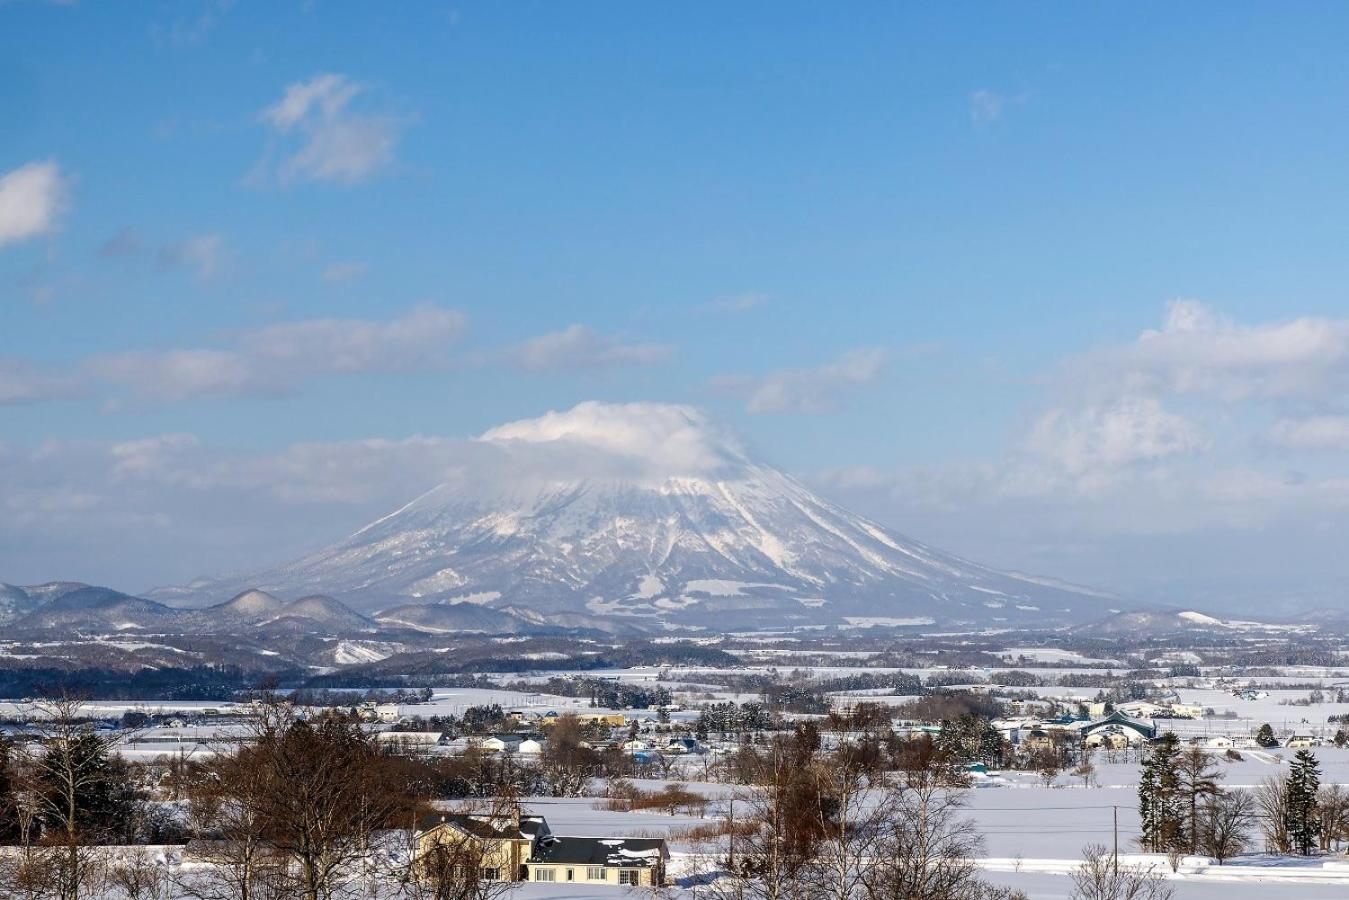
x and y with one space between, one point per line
910 253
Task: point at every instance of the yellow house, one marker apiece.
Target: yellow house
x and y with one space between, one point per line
497 847
515 847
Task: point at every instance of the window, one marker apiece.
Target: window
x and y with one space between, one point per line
490 874
597 873
628 876
545 875
570 875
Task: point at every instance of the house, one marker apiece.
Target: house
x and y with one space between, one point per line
495 846
530 746
1038 739
682 745
1220 742
502 743
635 745
632 862
1300 740
1117 731
516 847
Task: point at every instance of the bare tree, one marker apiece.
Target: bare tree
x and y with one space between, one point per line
1225 824
226 816
1332 804
1085 770
1100 878
1198 780
848 824
567 764
1271 798
776 835
67 766
925 848
139 875
315 792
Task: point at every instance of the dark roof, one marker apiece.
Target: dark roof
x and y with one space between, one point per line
633 853
484 826
1147 729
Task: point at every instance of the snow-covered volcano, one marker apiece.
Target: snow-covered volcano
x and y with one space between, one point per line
648 514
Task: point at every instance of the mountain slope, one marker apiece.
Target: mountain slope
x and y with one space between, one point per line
85 608
645 514
317 612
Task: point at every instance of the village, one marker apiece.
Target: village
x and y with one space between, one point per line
652 777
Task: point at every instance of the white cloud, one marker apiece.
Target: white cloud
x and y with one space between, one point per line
204 254
32 198
1099 440
1197 351
326 139
21 382
281 356
670 439
411 341
173 375
1324 432
579 347
811 390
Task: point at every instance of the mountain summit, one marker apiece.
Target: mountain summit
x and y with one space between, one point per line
650 515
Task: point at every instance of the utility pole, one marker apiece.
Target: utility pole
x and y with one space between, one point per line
1114 810
730 856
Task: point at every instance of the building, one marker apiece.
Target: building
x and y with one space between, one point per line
517 847
1117 731
499 846
631 862
410 740
1299 740
609 720
502 743
682 745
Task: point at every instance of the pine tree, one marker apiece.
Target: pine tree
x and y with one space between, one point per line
1160 799
1304 783
1265 737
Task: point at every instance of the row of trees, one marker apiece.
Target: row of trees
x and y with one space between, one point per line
1184 808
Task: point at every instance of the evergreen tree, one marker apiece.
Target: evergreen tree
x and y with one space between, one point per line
1304 784
1160 798
1265 737
106 799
